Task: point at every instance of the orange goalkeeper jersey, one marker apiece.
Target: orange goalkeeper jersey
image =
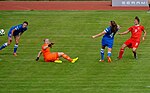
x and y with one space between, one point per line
48 56
46 51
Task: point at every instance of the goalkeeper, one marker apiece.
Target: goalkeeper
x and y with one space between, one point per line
53 56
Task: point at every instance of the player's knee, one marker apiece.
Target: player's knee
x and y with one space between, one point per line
60 53
134 51
123 47
109 49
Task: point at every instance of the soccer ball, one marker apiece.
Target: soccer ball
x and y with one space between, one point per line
2 32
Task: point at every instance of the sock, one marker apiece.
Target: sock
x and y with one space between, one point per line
66 57
102 54
3 46
135 56
109 54
15 48
121 53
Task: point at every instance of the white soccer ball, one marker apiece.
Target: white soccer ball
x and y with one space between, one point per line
2 32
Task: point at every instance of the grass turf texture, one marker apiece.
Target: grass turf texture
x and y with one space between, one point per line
72 31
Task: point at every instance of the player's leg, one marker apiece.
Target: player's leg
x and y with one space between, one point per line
134 52
104 43
61 54
109 54
102 54
122 51
6 44
52 57
135 46
109 45
16 44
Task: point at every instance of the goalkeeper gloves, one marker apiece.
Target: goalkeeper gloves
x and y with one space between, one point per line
50 45
37 58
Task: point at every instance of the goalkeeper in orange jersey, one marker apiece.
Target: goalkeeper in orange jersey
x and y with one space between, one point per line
53 56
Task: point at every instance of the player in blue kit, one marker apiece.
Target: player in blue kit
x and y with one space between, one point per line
108 39
15 31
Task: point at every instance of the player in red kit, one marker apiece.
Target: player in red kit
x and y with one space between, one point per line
134 41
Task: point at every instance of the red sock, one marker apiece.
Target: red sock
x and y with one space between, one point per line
121 53
66 57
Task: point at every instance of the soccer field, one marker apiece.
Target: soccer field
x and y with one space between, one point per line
71 31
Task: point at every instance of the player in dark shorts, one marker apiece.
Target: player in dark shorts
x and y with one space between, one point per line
15 31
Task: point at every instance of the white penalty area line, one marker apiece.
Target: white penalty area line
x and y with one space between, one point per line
147 86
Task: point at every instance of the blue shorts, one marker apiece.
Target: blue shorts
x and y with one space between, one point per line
107 42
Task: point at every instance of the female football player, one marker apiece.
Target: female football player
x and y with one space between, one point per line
134 41
15 31
108 39
52 56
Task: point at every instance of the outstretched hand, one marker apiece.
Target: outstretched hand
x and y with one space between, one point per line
118 33
93 36
50 45
143 38
37 58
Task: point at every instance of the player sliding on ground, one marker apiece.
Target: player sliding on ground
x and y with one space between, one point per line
15 31
51 56
108 39
134 41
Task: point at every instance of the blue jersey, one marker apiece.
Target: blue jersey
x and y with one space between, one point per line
18 29
108 33
108 38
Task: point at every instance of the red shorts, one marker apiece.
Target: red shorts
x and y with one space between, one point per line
131 43
51 57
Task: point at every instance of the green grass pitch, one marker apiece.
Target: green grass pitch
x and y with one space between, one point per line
71 31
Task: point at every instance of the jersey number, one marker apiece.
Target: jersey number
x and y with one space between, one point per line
136 30
111 35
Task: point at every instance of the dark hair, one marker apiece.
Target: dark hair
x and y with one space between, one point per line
137 18
44 40
114 27
25 22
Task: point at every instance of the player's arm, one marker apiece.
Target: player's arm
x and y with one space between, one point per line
21 33
45 47
100 34
118 27
49 45
144 35
39 54
12 32
123 33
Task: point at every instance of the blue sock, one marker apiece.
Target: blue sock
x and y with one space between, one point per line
109 54
102 54
3 46
15 48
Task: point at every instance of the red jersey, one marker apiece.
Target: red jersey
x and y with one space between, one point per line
136 32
